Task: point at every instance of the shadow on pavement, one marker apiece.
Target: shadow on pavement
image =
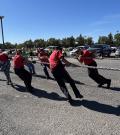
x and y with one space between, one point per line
2 80
115 88
78 82
43 77
111 88
92 105
99 107
40 93
19 88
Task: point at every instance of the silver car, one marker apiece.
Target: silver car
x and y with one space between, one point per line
117 53
77 50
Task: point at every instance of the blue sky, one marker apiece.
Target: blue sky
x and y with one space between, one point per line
34 19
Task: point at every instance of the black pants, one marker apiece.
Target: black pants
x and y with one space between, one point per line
93 73
60 74
25 76
5 67
45 66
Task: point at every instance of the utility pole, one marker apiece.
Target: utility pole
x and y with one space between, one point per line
1 17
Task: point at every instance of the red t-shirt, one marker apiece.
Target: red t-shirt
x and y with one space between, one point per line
18 61
55 58
43 56
3 57
86 57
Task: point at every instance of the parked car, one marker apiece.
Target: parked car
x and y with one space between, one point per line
77 50
49 49
70 48
117 52
100 49
113 49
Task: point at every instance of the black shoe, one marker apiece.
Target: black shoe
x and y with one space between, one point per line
79 96
101 84
70 100
108 83
30 89
9 83
34 73
48 77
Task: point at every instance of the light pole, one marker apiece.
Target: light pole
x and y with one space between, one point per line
1 17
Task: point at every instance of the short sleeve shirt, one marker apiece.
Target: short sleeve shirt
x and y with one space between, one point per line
86 57
55 58
18 61
3 57
43 57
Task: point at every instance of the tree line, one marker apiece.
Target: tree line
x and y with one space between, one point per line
112 40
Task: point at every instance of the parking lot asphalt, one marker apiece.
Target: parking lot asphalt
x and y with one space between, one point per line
46 111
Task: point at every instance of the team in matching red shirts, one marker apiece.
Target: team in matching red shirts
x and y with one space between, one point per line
55 64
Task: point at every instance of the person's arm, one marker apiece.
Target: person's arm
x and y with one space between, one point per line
67 63
80 59
25 60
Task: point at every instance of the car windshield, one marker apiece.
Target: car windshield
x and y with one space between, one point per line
51 47
96 46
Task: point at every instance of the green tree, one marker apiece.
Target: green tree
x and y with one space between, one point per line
8 45
80 40
117 39
39 43
103 40
68 42
53 42
64 42
28 44
110 39
89 41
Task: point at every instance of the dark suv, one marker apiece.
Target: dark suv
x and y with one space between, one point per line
100 49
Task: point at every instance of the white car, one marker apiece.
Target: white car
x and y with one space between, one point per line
77 50
117 53
50 48
113 49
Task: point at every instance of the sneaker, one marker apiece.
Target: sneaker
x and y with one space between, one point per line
33 73
108 83
48 77
79 96
101 84
9 83
30 89
70 100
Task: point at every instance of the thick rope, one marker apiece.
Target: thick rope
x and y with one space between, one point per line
85 66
